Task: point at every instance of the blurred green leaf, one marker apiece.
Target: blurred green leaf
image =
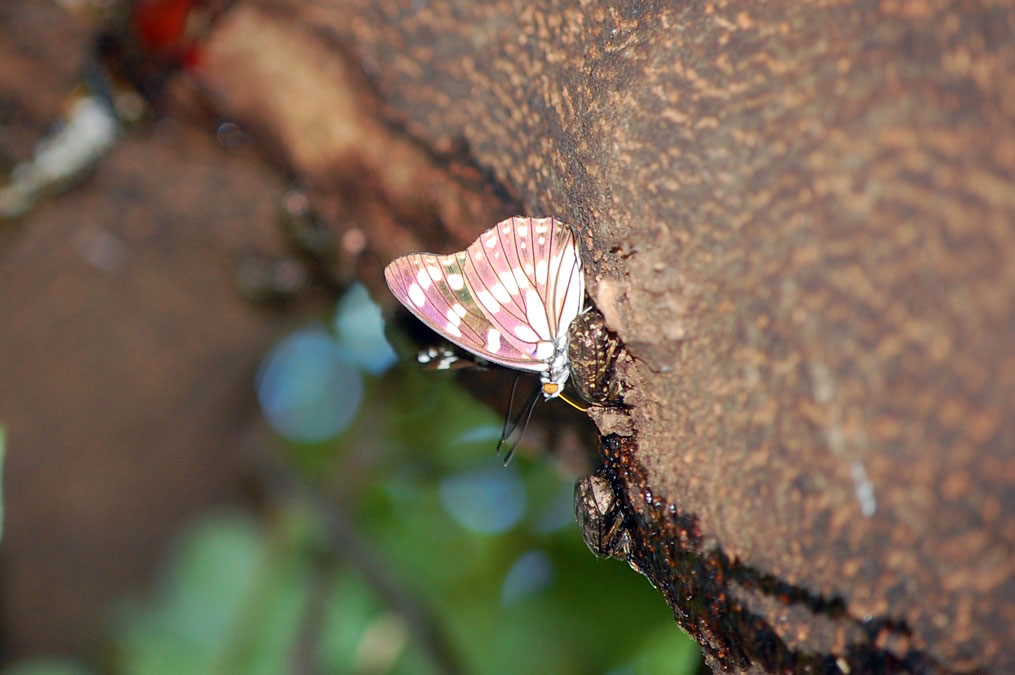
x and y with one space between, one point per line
187 626
46 667
665 650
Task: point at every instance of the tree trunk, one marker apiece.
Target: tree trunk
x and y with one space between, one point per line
798 218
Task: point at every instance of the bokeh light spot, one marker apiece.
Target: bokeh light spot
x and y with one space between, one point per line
531 573
307 389
489 500
360 331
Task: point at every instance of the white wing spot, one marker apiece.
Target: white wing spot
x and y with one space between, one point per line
541 228
526 334
446 362
535 314
453 318
499 292
541 241
544 351
416 295
541 271
487 301
491 241
456 282
521 245
508 280
452 330
423 279
571 305
434 272
506 229
493 340
458 309
523 231
528 269
520 278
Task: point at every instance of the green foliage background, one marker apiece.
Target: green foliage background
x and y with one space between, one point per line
353 564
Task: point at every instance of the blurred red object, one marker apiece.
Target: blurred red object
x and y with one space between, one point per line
166 29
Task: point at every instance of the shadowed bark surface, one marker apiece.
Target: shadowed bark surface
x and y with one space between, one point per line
798 219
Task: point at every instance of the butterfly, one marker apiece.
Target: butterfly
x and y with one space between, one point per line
509 298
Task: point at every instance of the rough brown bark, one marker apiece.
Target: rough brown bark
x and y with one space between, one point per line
797 217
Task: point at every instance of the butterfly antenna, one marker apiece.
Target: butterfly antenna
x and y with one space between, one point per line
520 422
576 406
507 417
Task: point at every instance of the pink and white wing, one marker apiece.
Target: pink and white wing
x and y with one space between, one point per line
434 289
526 275
563 285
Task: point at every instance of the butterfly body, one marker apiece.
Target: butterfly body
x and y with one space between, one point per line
509 298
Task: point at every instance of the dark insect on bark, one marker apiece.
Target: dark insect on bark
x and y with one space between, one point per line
592 352
599 516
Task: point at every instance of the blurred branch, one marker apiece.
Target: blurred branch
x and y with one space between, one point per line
345 542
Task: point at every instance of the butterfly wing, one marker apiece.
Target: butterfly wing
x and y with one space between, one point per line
527 275
433 288
565 285
509 297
